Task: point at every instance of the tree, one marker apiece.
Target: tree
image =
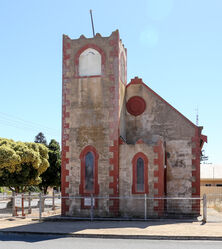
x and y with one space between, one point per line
52 176
40 138
21 164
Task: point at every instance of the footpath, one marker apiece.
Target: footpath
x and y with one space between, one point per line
161 229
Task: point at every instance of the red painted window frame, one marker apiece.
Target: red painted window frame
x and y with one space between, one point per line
82 157
134 166
76 60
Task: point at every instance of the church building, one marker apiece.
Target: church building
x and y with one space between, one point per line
121 141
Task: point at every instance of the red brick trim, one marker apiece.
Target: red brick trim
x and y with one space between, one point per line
82 190
76 60
140 141
114 124
137 80
65 125
159 173
196 151
134 167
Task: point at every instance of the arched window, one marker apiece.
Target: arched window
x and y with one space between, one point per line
90 63
89 171
140 174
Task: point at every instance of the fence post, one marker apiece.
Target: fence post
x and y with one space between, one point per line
22 200
204 208
145 207
29 203
13 204
40 206
53 199
91 208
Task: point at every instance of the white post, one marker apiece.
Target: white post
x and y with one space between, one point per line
145 207
204 208
40 206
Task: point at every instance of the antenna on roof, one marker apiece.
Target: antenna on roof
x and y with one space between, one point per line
197 117
92 23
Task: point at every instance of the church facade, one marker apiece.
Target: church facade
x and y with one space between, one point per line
119 139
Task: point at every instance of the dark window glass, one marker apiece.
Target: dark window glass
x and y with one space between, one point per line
219 185
208 184
89 171
140 175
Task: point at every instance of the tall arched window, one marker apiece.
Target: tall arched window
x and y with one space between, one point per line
90 63
89 171
140 174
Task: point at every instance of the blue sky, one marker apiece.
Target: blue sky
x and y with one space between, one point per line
175 46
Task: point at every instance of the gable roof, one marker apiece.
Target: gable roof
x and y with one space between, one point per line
137 80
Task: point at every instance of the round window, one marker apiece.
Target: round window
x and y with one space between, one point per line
136 105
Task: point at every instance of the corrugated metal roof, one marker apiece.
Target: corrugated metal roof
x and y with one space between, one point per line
211 171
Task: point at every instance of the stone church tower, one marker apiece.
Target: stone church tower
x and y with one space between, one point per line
94 79
121 140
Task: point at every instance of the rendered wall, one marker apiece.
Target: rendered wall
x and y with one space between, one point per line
160 119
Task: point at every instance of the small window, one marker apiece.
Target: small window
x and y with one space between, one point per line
207 185
90 63
219 185
89 171
140 174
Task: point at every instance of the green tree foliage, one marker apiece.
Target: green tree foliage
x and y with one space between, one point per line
52 176
21 164
40 138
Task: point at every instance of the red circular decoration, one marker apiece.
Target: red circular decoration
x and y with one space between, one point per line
136 105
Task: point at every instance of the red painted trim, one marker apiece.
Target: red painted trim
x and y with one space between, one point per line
134 167
140 141
196 151
82 190
65 125
203 138
114 124
159 173
76 60
137 80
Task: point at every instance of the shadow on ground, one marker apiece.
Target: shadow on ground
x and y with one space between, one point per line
39 231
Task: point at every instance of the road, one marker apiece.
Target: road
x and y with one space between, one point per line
49 242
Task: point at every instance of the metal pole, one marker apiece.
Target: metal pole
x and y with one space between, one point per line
13 204
204 208
91 209
40 206
29 208
92 23
145 207
53 200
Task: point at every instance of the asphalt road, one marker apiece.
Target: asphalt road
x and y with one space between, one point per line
55 242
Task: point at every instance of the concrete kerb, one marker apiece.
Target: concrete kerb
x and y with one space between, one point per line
115 236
